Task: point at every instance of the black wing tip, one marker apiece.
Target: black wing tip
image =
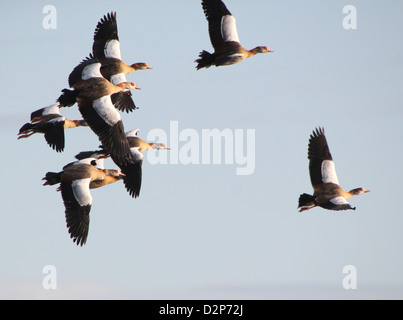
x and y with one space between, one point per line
57 146
110 16
79 241
77 228
77 216
318 131
107 18
123 101
133 178
106 28
214 8
134 192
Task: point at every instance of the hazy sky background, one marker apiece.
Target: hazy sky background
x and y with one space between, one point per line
200 231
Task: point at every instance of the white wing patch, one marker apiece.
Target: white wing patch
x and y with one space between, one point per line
106 110
338 201
99 163
329 172
132 133
91 71
118 78
58 119
81 191
136 153
112 49
236 55
228 28
52 109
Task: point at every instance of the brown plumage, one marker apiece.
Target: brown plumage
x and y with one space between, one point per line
52 124
224 38
89 84
93 95
327 192
133 168
106 48
75 184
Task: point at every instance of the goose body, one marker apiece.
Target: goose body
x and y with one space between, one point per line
93 158
52 124
224 38
106 48
327 192
88 83
133 169
75 184
93 96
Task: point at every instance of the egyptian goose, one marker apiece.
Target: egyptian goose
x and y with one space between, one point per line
106 48
94 158
223 37
133 170
88 83
52 124
75 184
93 95
327 192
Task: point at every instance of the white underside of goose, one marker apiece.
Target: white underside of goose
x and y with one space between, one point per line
338 201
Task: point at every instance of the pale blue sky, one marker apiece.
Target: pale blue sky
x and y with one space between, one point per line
201 231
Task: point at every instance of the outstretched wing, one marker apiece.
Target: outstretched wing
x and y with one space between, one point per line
52 109
221 23
321 165
123 101
132 169
106 41
86 69
106 122
77 201
54 133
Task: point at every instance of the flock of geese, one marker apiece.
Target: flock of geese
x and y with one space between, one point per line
99 87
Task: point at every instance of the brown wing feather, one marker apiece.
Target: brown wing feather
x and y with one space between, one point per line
318 150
